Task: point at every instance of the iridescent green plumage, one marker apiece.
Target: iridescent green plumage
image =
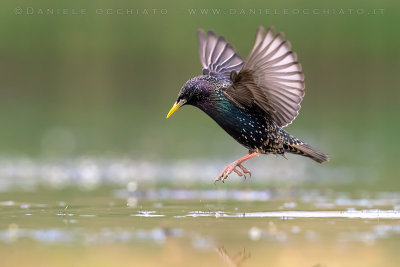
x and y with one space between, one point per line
251 127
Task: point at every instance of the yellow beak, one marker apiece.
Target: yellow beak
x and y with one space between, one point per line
175 108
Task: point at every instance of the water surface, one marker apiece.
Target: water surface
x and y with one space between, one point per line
180 227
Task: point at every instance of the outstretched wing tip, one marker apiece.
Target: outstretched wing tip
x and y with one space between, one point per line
288 44
217 56
200 33
281 35
277 82
211 32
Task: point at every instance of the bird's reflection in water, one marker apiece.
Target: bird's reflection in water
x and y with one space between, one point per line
236 260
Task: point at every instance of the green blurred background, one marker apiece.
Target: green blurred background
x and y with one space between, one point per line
100 85
92 174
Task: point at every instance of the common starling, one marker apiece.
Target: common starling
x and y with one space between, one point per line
251 100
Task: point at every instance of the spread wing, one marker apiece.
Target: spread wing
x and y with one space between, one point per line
271 78
216 55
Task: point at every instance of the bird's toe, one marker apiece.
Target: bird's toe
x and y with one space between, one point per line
238 172
245 170
219 178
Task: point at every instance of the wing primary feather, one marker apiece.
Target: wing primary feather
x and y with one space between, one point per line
271 78
216 55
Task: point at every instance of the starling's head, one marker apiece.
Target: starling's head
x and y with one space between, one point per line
193 92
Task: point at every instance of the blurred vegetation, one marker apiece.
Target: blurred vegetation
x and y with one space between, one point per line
102 84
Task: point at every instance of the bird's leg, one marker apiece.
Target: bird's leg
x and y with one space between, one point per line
232 167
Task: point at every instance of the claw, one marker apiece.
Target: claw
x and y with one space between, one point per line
246 171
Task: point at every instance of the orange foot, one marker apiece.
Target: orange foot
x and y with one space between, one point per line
232 168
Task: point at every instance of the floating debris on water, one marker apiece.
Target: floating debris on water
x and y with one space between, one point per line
150 213
286 215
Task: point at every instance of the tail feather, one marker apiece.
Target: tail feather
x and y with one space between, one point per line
308 151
